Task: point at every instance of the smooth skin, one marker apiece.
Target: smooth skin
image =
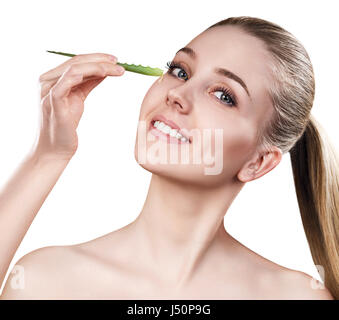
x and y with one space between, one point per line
177 247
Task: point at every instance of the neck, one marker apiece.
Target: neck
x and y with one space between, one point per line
180 225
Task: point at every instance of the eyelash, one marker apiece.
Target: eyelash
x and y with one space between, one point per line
173 65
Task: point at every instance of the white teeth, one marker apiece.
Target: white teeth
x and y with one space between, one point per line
168 130
173 133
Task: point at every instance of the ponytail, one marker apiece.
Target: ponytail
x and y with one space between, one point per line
315 168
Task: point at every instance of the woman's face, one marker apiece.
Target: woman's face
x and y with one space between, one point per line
199 101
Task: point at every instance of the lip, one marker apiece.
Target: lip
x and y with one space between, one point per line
170 123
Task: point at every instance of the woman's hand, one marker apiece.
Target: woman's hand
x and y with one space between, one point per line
63 93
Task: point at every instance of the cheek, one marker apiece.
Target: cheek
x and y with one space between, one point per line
151 100
238 140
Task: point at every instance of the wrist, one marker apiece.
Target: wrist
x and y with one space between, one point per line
39 159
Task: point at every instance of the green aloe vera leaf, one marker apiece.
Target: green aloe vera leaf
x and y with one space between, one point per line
128 67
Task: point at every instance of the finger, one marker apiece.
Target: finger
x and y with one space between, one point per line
80 58
95 69
87 70
47 85
64 85
77 73
89 85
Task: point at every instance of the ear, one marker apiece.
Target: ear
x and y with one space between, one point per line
260 164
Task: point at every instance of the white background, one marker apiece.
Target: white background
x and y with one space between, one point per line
103 188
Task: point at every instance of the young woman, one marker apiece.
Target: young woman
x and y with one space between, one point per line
246 77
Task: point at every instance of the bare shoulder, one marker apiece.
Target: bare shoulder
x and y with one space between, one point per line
298 285
41 274
282 283
78 271
274 281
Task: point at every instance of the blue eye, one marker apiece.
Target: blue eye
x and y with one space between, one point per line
227 94
172 65
230 99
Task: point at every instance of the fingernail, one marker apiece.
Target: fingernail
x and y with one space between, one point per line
113 58
121 69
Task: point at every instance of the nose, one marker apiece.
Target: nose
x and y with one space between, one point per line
175 98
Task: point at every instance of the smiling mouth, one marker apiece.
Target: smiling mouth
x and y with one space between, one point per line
173 134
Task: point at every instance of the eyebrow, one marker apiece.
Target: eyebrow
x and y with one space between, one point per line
220 71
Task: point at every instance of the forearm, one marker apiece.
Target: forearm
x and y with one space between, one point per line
20 200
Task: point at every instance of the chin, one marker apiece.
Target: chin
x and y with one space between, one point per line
186 174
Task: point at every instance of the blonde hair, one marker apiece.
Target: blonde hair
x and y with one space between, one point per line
293 129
